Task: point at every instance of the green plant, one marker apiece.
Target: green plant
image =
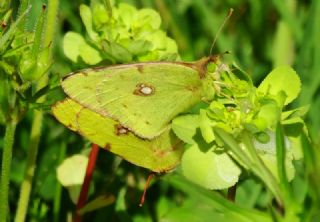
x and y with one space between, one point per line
25 61
273 183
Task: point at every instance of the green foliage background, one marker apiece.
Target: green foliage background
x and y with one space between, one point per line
260 35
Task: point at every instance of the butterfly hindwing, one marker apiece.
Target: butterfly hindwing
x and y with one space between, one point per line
159 155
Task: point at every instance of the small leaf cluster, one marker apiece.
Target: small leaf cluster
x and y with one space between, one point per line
240 109
119 34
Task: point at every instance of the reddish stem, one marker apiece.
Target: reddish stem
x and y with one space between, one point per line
232 193
87 179
145 189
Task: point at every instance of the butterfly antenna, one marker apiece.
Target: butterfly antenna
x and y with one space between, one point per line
220 28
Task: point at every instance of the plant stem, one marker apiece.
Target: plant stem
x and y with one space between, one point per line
50 24
5 169
232 193
87 179
57 196
26 186
30 168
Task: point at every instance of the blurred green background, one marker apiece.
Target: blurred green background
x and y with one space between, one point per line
260 35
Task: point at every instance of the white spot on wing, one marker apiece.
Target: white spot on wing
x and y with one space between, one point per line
123 131
146 90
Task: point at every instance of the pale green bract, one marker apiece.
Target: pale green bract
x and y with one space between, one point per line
210 169
71 173
72 170
284 79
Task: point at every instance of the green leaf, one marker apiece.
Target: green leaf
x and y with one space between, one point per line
271 113
210 169
119 53
282 78
267 152
298 112
146 17
74 193
205 127
185 127
71 45
38 35
97 203
270 160
192 210
216 201
126 14
101 15
9 69
293 126
5 39
75 46
86 16
139 47
90 55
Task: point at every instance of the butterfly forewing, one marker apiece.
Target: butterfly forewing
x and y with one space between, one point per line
143 97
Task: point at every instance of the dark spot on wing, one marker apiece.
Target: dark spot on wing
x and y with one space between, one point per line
124 105
160 153
147 122
88 87
144 89
192 88
107 146
121 130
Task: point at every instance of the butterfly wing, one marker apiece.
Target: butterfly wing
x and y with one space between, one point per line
144 97
159 155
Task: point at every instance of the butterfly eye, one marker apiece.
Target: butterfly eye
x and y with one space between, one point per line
144 90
